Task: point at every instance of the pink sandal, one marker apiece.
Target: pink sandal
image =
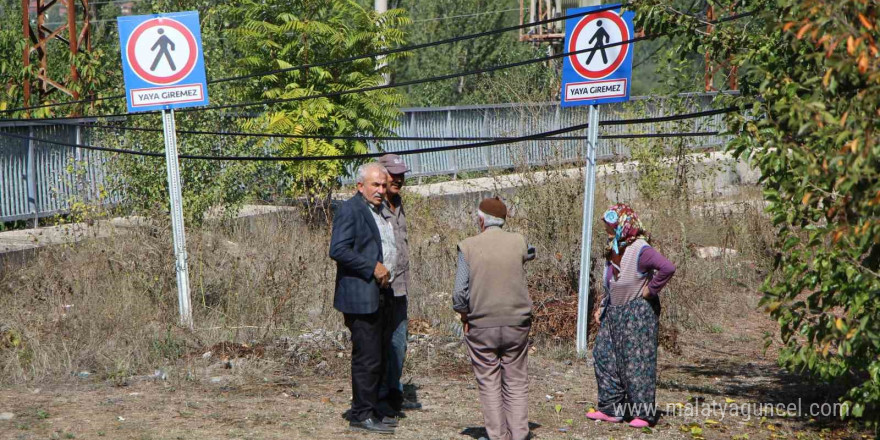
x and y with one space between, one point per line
639 423
599 415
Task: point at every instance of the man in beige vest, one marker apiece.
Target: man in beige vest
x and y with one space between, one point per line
492 297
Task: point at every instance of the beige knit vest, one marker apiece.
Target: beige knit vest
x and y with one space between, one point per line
629 283
499 295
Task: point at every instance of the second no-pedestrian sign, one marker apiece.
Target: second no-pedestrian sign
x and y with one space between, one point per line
600 71
162 61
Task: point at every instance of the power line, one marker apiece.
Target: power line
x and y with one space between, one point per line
642 61
363 89
379 138
83 146
660 47
384 86
652 135
117 2
448 17
353 58
428 44
504 11
536 136
412 82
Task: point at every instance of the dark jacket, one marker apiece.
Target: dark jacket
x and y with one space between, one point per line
356 246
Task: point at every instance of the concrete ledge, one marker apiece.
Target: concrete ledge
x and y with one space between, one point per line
733 173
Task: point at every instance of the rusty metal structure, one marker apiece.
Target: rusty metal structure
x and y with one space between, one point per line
38 35
531 11
712 68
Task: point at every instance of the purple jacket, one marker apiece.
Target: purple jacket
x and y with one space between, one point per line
652 261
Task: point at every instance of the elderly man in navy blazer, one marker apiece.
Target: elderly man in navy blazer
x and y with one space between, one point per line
364 249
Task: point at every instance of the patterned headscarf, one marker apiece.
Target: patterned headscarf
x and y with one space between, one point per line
627 228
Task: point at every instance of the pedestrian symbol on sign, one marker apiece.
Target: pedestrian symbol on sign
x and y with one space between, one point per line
163 43
601 37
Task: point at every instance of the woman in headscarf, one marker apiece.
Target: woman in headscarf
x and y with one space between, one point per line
625 352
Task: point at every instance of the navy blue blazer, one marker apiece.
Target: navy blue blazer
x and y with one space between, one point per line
356 246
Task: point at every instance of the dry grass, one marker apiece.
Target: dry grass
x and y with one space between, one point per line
110 306
705 293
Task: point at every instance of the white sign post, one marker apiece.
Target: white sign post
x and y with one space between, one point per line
587 228
600 72
177 229
164 69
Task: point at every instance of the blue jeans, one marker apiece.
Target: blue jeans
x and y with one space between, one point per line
390 389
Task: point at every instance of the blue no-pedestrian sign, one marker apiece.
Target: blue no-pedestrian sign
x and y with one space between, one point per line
600 71
162 61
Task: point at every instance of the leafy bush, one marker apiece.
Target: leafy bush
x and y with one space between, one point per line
810 83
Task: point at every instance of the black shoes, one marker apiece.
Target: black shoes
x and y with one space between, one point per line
390 422
371 425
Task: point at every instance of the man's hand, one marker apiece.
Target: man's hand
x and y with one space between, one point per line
646 293
381 274
464 322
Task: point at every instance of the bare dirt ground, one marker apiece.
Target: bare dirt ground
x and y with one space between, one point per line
721 368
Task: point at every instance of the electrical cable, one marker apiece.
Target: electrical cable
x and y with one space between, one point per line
428 44
384 86
660 47
375 138
352 58
362 89
380 87
83 146
412 82
534 136
476 14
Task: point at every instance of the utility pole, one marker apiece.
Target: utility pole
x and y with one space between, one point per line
381 7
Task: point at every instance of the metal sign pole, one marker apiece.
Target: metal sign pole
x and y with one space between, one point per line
173 168
587 230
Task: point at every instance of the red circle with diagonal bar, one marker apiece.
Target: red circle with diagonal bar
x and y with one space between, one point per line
156 79
572 45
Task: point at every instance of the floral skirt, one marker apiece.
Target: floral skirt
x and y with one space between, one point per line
625 355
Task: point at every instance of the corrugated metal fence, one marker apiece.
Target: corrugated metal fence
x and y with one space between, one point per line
512 120
40 180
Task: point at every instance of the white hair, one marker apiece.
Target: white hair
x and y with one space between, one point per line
490 220
366 168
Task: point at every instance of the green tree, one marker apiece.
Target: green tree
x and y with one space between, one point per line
810 82
278 34
440 19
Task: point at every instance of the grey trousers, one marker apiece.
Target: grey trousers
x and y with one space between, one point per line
500 357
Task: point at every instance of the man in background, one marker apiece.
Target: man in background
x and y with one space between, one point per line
391 390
